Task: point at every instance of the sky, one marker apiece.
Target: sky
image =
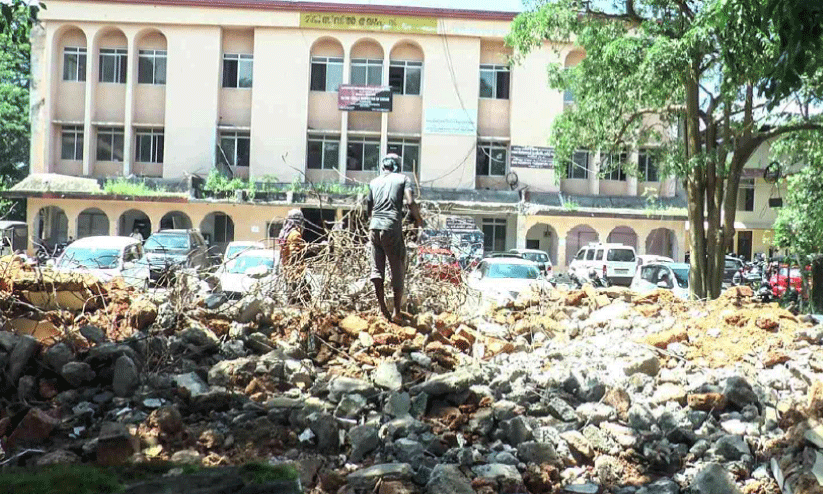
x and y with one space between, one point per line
493 5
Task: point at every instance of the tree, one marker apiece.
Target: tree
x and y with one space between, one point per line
681 75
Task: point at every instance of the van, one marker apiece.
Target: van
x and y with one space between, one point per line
616 262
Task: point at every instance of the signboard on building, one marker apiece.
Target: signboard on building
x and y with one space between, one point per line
368 22
364 98
532 157
450 122
460 223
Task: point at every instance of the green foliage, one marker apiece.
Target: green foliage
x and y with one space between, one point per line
18 16
125 187
77 479
217 182
570 206
261 473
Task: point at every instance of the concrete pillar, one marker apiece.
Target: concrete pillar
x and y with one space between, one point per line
384 117
344 120
43 89
92 67
520 239
561 255
631 182
594 173
131 82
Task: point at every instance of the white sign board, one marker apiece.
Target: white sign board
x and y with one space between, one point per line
450 121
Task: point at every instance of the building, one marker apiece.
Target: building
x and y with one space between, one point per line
166 91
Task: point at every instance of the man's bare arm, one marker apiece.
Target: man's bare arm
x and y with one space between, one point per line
414 209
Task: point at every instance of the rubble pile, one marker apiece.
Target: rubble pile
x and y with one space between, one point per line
583 391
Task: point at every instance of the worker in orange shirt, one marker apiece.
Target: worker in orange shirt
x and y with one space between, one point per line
292 251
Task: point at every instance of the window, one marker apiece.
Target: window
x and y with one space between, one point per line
581 254
405 76
494 81
620 255
590 255
491 159
598 255
579 165
223 228
366 72
362 154
113 65
235 148
745 195
149 146
323 152
409 152
71 147
326 73
613 164
237 70
151 67
110 144
74 64
494 230
647 166
568 97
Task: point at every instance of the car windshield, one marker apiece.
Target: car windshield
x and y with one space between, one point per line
521 271
236 249
167 242
682 277
535 257
620 255
245 263
91 257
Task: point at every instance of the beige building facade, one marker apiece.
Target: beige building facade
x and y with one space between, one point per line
167 92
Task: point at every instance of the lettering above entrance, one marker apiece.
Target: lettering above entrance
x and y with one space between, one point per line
369 22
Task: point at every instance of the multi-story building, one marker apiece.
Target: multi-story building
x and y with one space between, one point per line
169 90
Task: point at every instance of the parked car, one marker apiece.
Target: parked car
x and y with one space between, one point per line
616 262
782 277
541 258
13 237
238 246
168 249
510 255
648 258
672 276
733 272
106 258
440 264
238 275
504 279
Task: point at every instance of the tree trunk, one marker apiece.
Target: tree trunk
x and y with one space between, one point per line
695 185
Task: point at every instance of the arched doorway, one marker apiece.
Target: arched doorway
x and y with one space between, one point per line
134 219
175 220
92 222
578 237
218 230
623 235
52 225
543 237
662 242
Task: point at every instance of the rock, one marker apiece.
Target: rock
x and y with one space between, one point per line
35 428
354 325
126 377
516 430
350 406
324 426
598 439
387 375
660 486
578 443
167 419
561 410
23 351
58 355
537 452
408 451
364 440
584 488
8 341
449 383
448 479
608 469
200 337
25 388
732 447
620 400
707 401
596 413
93 334
505 474
341 386
649 365
217 399
259 343
191 384
768 322
77 373
397 404
223 373
714 479
142 313
667 392
740 393
482 422
115 445
640 418
665 338
58 457
186 457
366 479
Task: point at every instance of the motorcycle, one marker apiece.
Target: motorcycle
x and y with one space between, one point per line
597 280
44 253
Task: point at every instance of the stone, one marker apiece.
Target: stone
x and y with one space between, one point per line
200 337
584 488
449 383
126 377
167 419
578 443
516 430
363 440
187 457
665 338
608 469
620 400
649 365
35 428
640 418
115 445
191 384
560 409
667 392
714 479
142 312
350 406
448 479
223 373
596 413
505 474
23 351
8 341
354 325
397 404
598 439
367 478
660 486
707 401
732 447
58 355
482 422
740 393
341 386
387 375
325 428
537 452
77 373
93 334
403 426
58 457
408 451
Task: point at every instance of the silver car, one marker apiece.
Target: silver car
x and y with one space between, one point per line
106 258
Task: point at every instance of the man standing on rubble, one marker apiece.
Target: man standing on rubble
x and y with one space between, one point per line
385 203
292 246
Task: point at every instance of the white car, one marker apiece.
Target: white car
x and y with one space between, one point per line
238 246
648 258
541 258
617 262
505 278
672 276
106 258
238 275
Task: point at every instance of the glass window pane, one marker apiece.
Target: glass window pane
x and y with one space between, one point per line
354 156
376 75
159 144
482 162
410 159
413 76
227 148
334 76
69 67
371 156
104 147
81 67
486 84
67 146
145 70
78 149
498 165
243 148
107 68
314 157
245 70
358 75
117 148
331 156
396 76
503 85
229 73
144 148
318 77
160 70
